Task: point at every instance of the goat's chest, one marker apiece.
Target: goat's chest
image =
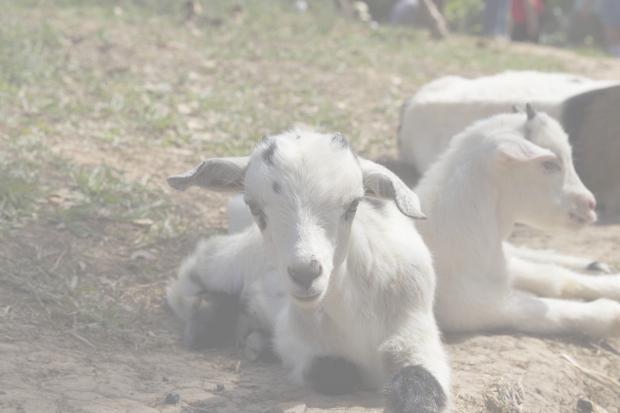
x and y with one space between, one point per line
356 331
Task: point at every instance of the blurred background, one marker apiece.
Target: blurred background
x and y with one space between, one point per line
100 101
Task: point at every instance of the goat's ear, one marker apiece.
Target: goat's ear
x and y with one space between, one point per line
516 109
218 174
522 151
530 111
381 182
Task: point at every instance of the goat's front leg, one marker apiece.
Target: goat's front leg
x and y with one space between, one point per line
529 314
552 257
549 280
419 365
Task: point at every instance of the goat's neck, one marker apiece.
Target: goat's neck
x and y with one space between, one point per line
467 220
350 277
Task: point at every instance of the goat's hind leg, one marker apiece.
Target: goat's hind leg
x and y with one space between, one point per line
213 321
254 340
529 314
205 296
209 316
549 280
552 257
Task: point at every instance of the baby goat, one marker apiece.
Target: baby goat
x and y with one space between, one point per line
338 275
506 169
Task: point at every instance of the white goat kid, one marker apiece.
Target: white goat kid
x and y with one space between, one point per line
346 299
506 169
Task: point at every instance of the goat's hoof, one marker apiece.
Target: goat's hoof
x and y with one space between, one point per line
599 267
415 390
333 376
213 322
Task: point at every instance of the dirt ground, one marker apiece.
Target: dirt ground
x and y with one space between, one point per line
50 369
83 324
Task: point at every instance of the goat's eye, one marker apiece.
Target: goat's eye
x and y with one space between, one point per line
552 166
254 209
351 210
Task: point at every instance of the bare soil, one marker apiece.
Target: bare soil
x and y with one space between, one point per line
48 366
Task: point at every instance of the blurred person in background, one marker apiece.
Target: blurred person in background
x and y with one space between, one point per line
409 12
585 27
495 19
609 13
527 20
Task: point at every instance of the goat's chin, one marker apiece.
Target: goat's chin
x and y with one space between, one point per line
564 223
565 226
576 222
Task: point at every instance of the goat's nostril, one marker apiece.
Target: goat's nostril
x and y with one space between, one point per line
592 203
316 268
586 200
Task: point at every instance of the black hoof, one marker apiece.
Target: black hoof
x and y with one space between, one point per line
415 390
333 376
213 322
268 356
599 267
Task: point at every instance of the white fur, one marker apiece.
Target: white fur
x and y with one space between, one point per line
489 178
372 303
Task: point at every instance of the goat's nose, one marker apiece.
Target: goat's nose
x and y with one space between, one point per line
587 200
305 273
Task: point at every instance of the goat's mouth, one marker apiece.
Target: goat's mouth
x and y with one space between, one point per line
582 219
306 299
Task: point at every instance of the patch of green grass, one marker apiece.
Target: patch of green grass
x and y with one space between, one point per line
18 189
21 185
101 195
36 184
252 68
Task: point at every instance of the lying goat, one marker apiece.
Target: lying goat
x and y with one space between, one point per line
586 108
506 169
343 281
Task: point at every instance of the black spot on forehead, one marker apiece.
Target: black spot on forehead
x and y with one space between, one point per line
277 188
269 152
340 140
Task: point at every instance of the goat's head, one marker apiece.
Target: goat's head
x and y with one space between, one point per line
303 189
537 168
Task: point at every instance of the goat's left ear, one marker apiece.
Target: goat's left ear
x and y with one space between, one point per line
217 174
381 182
522 151
530 111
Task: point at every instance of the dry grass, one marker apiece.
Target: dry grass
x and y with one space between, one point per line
503 397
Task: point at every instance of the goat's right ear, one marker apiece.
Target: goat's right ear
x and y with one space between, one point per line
522 151
217 174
